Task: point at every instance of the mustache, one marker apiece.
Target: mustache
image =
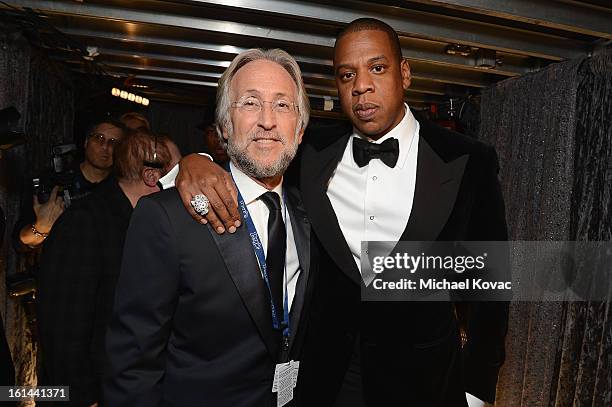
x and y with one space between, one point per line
364 106
266 135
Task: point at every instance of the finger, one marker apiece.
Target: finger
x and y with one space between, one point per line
35 202
186 196
232 203
224 208
216 210
215 222
54 192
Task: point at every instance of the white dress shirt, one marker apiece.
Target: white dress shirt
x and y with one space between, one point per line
373 203
251 191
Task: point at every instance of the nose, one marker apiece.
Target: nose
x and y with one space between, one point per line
267 117
362 84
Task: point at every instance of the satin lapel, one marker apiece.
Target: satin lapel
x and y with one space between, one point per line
437 184
237 252
317 169
301 234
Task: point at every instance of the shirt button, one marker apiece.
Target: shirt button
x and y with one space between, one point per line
372 217
374 178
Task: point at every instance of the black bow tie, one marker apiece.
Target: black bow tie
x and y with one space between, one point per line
364 151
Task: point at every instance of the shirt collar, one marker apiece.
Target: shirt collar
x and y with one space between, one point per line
249 189
404 132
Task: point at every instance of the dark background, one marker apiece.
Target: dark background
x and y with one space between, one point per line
553 133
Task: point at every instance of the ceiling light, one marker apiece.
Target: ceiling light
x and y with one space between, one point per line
132 97
486 59
458 49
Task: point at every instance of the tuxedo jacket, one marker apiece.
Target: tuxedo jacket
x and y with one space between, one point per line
192 323
410 352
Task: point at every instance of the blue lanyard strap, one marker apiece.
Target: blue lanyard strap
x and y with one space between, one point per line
261 260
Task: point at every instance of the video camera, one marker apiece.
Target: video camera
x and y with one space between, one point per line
64 175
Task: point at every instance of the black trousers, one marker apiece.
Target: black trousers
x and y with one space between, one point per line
351 392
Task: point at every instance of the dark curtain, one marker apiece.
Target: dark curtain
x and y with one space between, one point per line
42 91
553 136
585 374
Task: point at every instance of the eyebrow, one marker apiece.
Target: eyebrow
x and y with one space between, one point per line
371 60
258 93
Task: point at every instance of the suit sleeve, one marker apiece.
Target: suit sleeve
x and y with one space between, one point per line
67 286
487 322
145 301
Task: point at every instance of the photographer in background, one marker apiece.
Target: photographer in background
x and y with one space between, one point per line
38 218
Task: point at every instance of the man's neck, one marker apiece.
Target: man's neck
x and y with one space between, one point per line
268 183
93 174
134 190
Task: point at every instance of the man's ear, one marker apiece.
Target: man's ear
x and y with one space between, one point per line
300 135
224 133
406 75
150 176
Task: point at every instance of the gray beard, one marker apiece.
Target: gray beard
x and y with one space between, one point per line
254 169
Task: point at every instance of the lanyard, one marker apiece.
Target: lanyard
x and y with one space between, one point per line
261 260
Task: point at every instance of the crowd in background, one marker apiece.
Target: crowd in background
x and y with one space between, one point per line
71 230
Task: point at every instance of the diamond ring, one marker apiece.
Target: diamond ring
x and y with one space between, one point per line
200 204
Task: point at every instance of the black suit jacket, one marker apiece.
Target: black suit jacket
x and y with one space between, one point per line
76 288
410 351
192 323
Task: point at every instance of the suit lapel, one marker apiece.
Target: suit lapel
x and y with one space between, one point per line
437 184
300 226
317 169
237 252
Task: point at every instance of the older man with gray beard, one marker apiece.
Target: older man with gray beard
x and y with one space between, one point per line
206 319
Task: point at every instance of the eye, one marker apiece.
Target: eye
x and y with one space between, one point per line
378 68
347 76
250 102
282 104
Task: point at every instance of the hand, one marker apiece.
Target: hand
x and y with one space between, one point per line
94 405
47 213
199 175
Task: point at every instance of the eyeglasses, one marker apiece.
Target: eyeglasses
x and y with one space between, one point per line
153 163
253 104
101 140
